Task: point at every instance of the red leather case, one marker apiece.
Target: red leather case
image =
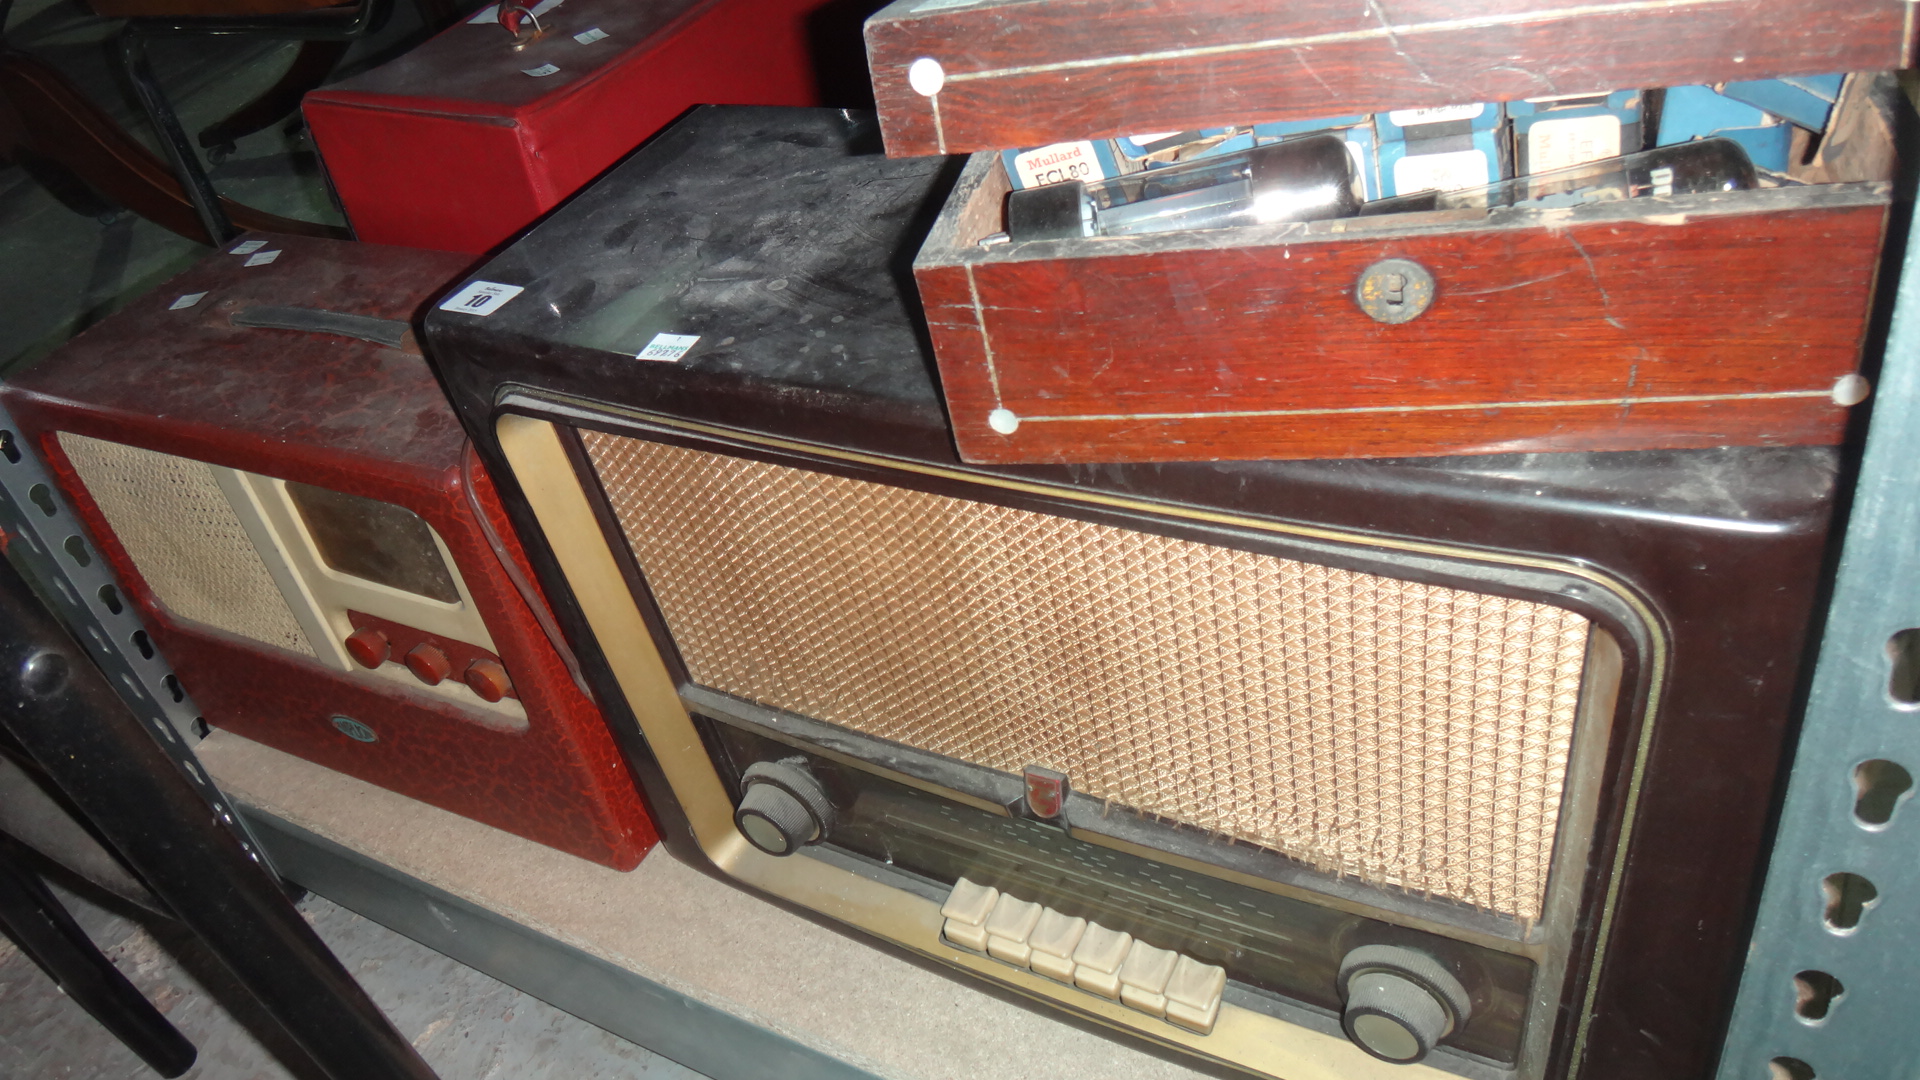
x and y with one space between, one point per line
361 418
454 146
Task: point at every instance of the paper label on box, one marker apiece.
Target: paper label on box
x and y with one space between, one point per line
1442 115
262 258
1662 180
1456 171
1557 144
481 298
669 347
187 301
540 72
246 247
1058 163
588 37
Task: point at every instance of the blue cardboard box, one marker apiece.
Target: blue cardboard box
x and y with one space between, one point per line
1452 148
1133 148
1557 132
1698 112
1454 163
1806 100
1417 125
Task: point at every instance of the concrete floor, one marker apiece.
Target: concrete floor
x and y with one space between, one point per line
61 271
466 1025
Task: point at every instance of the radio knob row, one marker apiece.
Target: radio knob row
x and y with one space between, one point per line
1068 949
486 678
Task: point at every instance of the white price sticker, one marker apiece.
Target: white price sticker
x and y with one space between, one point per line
1556 144
246 247
481 298
1057 164
541 72
668 347
1445 114
187 301
588 37
262 258
1441 172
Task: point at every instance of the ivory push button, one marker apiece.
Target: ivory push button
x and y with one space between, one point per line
368 647
1144 977
429 664
1007 929
1193 994
966 911
1097 960
1053 939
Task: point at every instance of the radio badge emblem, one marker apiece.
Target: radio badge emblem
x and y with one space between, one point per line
1046 793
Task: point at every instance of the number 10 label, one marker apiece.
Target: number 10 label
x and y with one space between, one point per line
481 297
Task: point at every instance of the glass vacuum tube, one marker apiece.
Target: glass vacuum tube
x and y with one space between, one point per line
1300 180
1691 168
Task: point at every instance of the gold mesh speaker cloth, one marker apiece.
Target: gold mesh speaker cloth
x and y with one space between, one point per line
1403 733
182 534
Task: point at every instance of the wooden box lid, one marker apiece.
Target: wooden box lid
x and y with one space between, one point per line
953 76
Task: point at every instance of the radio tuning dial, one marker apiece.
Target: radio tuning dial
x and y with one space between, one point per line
1400 1002
368 647
782 807
429 664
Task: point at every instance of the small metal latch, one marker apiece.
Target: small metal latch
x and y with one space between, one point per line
1394 290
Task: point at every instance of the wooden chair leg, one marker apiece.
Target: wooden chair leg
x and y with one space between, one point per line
34 919
41 111
315 61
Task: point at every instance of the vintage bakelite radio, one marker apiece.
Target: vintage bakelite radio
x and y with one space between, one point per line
1453 766
266 460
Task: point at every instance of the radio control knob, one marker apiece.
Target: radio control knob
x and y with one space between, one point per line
368 647
1400 1001
782 807
488 679
429 664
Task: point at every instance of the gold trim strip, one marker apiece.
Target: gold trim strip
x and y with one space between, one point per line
1244 414
1385 31
554 492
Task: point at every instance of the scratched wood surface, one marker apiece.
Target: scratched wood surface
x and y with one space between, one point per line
1032 72
1714 327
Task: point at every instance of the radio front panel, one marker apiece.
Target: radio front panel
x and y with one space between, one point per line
1270 758
238 551
1522 714
316 548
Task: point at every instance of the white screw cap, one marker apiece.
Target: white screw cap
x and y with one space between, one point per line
1004 422
926 76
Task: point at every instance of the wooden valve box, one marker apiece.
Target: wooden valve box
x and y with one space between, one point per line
1685 321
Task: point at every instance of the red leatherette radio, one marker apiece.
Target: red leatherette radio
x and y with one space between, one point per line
322 559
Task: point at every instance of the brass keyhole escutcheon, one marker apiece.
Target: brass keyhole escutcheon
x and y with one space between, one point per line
1394 290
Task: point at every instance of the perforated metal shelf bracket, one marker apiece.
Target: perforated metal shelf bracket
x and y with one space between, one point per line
53 549
1834 964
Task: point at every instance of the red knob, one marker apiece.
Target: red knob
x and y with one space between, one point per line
489 680
428 664
368 647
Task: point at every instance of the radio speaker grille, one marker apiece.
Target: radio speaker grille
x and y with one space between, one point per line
1406 734
181 533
